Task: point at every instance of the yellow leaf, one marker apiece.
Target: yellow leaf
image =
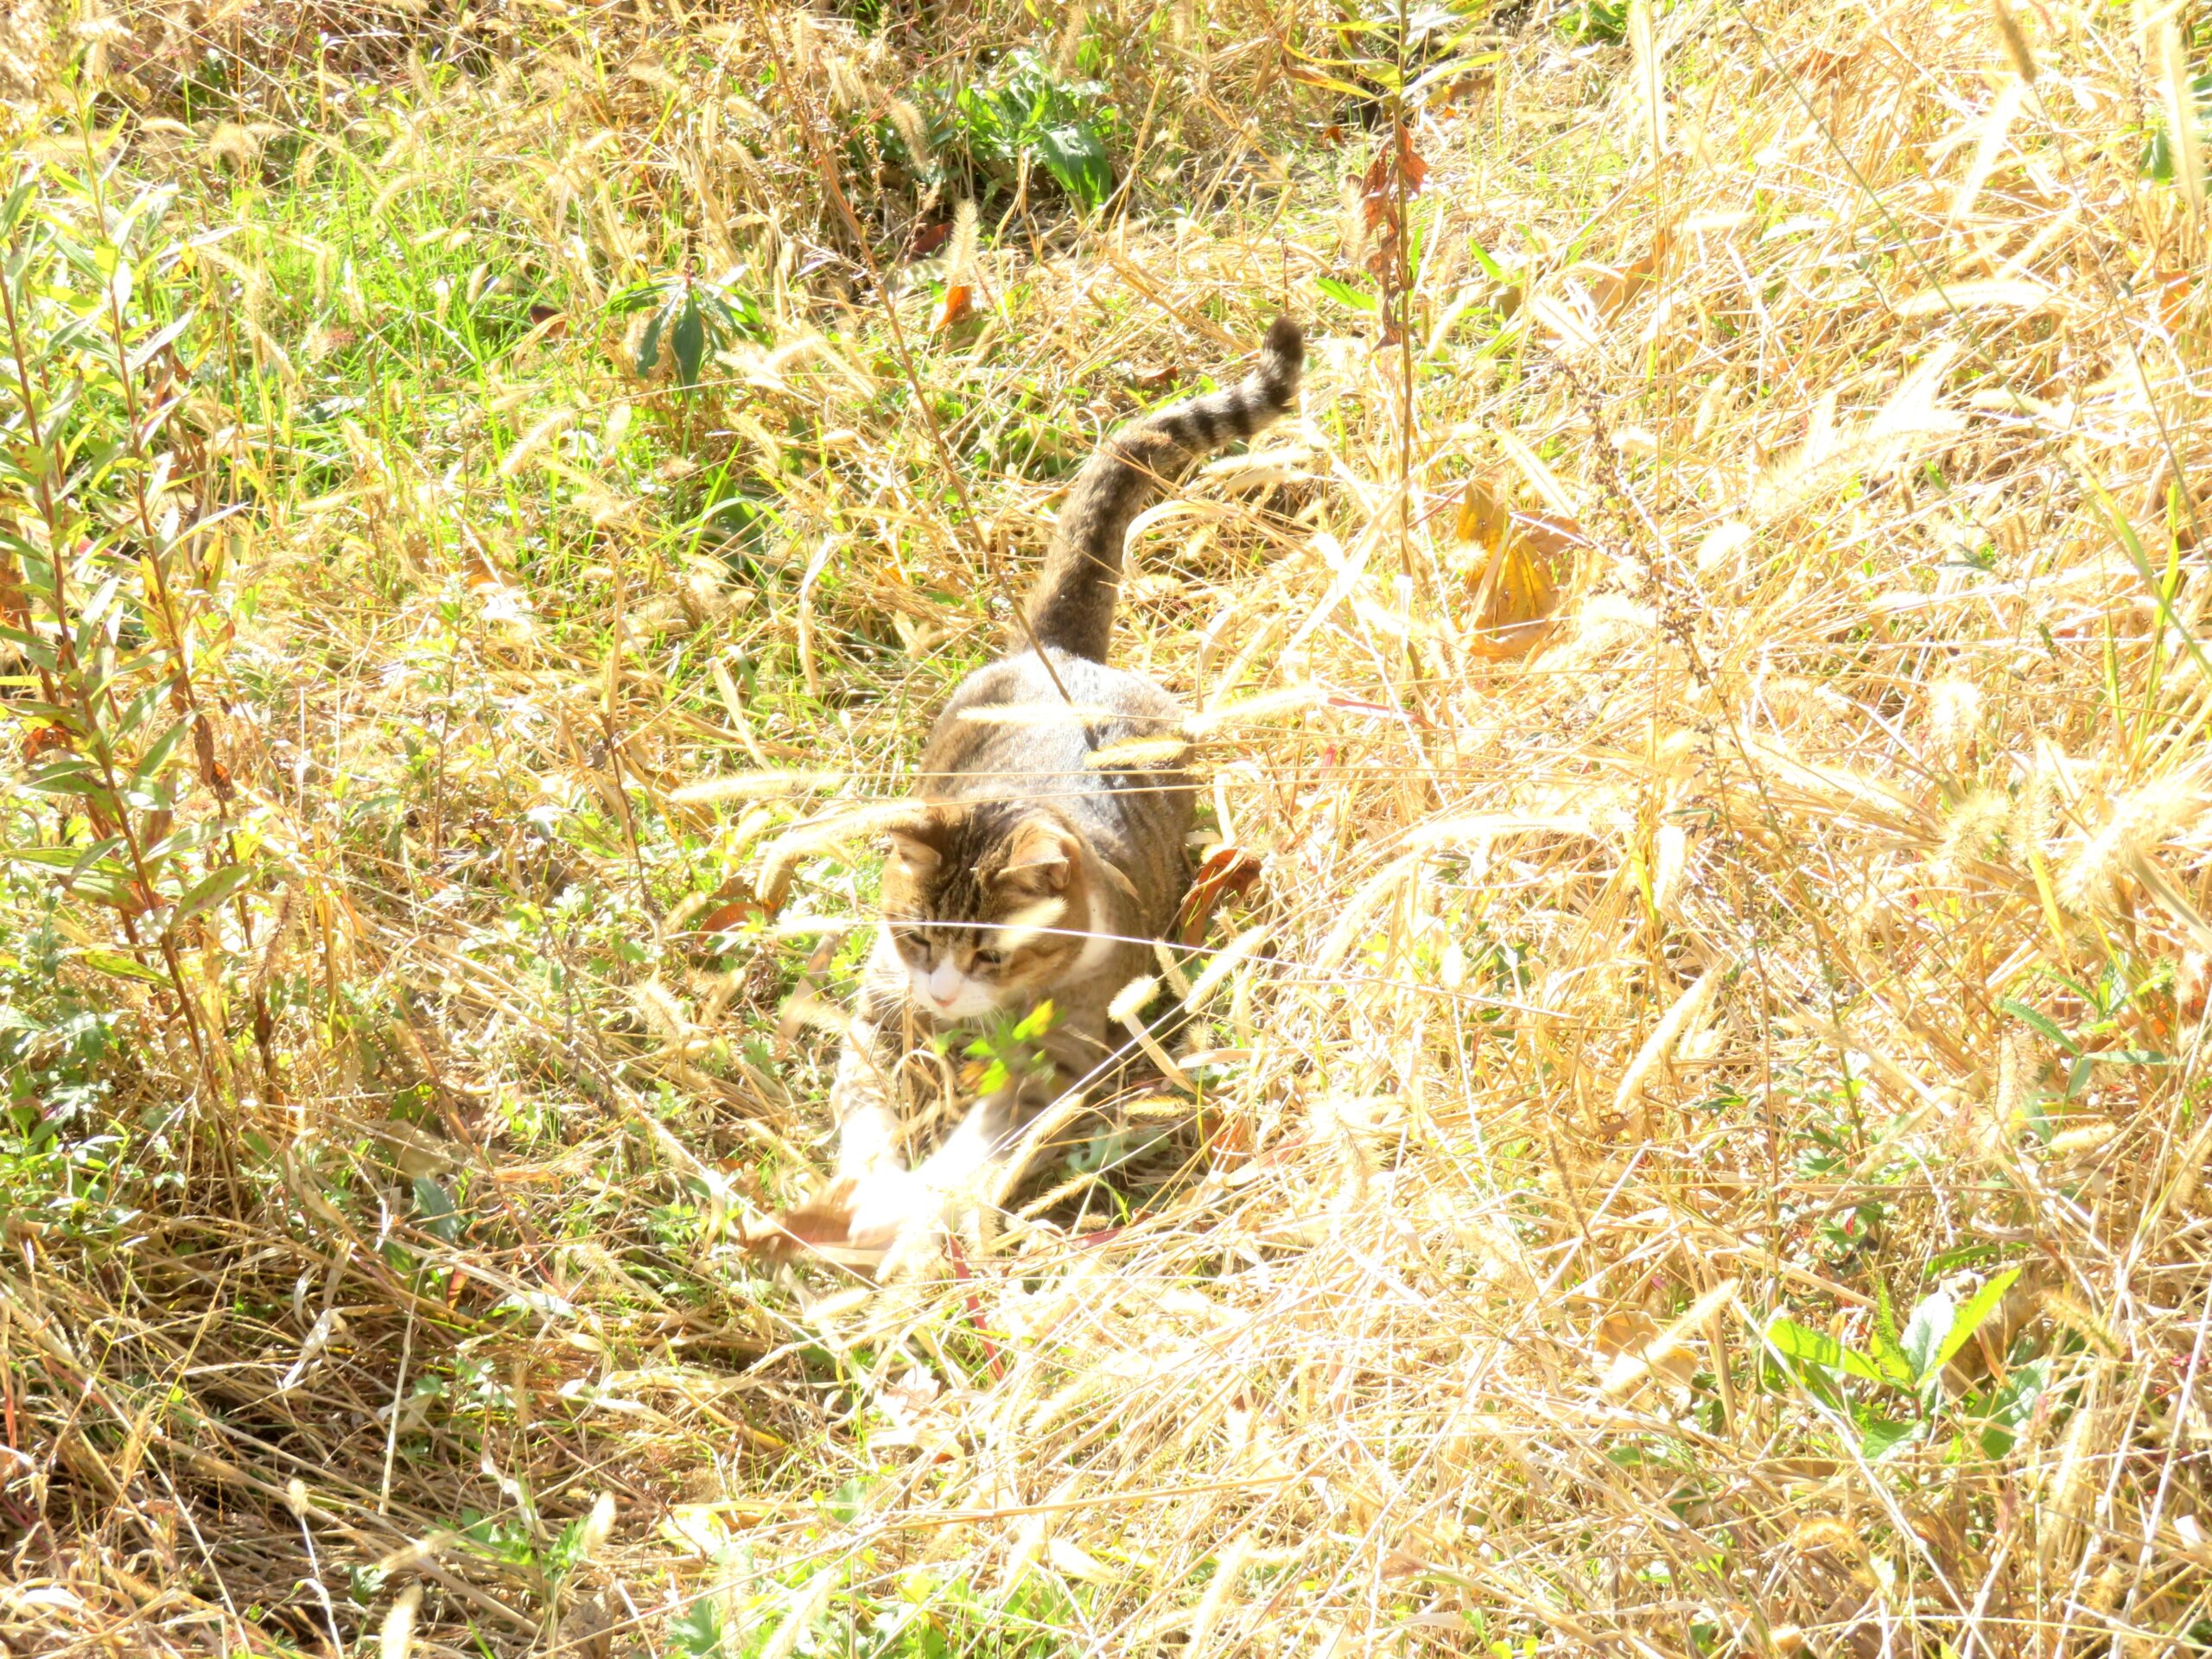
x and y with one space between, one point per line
1517 589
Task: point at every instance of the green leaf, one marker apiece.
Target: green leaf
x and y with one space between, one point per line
1035 1023
2157 160
87 870
1344 293
108 886
144 352
1076 156
157 756
1879 1436
436 1210
38 652
2039 1022
1812 1347
118 966
1925 1333
2007 1411
1889 1354
636 297
696 1632
71 775
1969 1319
1332 83
136 712
1966 1255
743 315
210 891
1491 269
649 342
687 340
63 858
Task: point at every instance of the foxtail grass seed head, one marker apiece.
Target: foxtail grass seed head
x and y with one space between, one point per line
913 132
396 1636
2016 40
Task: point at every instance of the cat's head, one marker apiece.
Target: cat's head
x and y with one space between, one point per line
985 903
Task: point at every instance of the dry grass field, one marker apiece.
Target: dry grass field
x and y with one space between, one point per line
1691 1144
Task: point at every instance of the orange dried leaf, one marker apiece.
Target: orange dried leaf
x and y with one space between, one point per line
213 773
2174 288
1228 871
1411 167
958 304
725 917
1375 193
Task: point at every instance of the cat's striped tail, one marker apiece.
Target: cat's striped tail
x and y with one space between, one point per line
1072 608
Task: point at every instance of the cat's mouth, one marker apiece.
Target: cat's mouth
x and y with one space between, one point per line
948 993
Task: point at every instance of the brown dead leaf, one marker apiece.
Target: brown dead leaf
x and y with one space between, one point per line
1613 289
928 239
479 572
587 1630
1227 871
1397 173
1375 193
1814 67
1399 1564
213 773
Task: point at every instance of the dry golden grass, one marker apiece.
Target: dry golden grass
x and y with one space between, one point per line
1749 892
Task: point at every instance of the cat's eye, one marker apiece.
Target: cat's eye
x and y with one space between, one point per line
990 958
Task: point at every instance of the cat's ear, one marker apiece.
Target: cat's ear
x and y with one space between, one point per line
1041 859
917 841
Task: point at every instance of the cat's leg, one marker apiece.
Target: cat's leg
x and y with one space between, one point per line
909 1218
864 1099
961 1174
873 1188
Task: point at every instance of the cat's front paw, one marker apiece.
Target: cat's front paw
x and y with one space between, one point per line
900 1217
885 1204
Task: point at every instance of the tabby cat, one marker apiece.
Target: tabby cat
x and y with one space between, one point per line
1036 864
